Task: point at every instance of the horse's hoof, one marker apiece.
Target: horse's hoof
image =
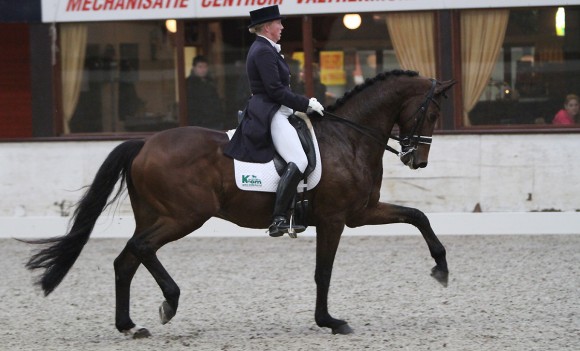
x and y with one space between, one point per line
138 332
343 329
166 312
141 334
442 276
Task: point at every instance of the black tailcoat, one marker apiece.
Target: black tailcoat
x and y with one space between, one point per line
269 77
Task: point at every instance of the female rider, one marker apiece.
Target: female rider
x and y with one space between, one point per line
265 128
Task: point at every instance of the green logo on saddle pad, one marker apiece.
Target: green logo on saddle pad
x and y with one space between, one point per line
251 180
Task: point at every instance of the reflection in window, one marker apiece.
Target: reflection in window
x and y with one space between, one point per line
346 57
533 72
124 78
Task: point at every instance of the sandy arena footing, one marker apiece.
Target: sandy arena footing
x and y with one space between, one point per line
505 293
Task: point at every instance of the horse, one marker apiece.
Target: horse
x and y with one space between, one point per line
179 178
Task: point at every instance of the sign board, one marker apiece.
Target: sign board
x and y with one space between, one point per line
332 68
113 10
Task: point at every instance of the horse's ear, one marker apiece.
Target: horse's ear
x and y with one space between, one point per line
442 87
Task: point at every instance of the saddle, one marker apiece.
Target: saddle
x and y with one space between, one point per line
297 120
299 208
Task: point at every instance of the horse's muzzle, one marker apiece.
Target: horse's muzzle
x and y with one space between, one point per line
414 159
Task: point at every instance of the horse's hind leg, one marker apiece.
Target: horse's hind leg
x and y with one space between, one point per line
384 213
126 265
144 246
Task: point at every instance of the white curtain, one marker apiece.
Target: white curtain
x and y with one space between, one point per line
73 39
412 35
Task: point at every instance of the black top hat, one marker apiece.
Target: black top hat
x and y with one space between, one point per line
265 14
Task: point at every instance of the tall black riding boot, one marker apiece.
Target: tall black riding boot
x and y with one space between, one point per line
284 196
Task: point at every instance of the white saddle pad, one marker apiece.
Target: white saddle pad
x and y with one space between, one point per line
264 177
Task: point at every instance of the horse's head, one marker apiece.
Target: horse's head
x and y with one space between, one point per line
417 121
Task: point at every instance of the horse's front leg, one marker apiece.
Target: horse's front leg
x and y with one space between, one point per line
327 240
383 213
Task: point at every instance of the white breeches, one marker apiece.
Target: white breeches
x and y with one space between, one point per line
286 139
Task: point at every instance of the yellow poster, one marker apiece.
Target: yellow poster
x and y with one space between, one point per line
332 68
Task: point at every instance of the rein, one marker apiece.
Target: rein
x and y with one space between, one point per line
364 130
409 142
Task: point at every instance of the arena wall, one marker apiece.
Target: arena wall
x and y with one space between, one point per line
474 184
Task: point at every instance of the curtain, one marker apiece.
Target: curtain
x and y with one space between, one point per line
412 35
482 35
73 39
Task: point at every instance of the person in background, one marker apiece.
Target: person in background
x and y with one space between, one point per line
570 113
265 129
204 106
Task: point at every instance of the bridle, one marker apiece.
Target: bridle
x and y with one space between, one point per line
409 143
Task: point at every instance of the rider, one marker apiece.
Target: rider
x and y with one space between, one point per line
265 128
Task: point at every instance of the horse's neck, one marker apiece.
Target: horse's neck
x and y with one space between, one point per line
347 141
377 113
375 107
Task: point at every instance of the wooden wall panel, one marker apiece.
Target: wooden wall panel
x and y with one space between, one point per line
15 87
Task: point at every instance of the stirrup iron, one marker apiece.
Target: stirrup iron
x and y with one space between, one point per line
291 231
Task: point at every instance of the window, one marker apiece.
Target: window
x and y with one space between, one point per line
121 77
522 71
118 77
213 101
515 67
345 57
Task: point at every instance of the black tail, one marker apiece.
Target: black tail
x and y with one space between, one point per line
62 252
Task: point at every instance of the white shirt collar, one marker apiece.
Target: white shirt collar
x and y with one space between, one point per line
278 47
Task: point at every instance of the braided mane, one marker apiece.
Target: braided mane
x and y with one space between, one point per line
368 82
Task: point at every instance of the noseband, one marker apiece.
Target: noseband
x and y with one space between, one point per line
409 143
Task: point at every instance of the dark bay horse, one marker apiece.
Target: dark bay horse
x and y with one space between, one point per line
179 178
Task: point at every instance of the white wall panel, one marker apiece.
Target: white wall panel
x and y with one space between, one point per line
502 173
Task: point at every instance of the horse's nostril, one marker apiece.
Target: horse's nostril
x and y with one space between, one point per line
422 165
